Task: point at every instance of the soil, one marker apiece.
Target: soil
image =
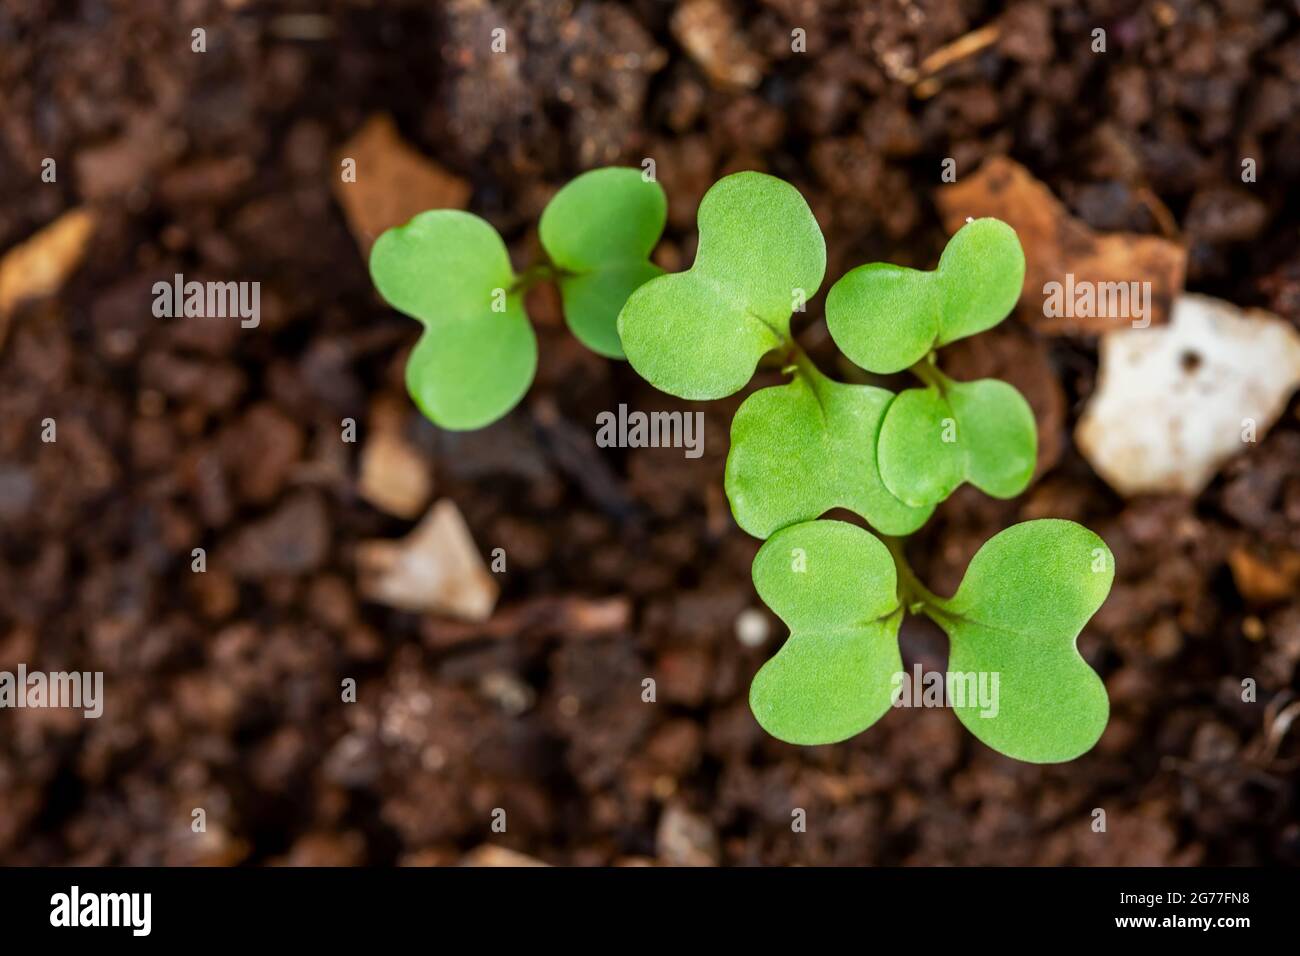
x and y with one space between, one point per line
224 687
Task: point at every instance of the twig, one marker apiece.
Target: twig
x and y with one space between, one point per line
927 83
568 617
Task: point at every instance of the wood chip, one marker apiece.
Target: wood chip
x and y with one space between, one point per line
393 182
1057 244
926 84
566 617
394 477
437 568
1265 580
39 266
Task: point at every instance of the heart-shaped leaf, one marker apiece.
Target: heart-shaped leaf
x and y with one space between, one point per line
932 439
698 334
600 230
886 317
834 586
1026 595
450 270
800 449
981 274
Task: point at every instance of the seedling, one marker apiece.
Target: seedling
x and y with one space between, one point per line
799 449
451 271
887 318
1025 597
599 231
802 448
700 333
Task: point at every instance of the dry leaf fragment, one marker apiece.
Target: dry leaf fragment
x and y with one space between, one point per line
39 266
1265 580
1174 403
1062 249
437 567
393 182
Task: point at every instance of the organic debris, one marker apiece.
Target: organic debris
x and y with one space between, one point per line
1091 270
39 266
389 181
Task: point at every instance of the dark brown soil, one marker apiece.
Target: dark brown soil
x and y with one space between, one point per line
223 687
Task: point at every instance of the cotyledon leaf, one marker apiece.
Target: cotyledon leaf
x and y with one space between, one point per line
698 334
932 439
1025 597
476 358
600 230
800 449
886 317
834 585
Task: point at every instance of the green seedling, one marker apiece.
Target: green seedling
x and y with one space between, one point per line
599 231
699 334
812 444
477 354
450 270
1026 596
887 318
934 438
801 448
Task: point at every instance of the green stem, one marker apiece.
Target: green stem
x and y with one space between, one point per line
928 372
912 594
799 362
539 272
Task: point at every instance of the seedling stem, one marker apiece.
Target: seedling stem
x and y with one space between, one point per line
541 272
912 594
927 370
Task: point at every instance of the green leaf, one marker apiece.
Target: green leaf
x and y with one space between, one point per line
1026 595
450 270
600 229
834 586
592 303
886 318
981 274
699 334
932 439
798 450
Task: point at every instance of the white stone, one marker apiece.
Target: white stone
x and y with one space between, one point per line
1174 402
752 627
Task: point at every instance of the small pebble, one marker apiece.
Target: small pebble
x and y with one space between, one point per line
752 627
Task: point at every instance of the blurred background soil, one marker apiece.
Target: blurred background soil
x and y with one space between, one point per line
223 688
